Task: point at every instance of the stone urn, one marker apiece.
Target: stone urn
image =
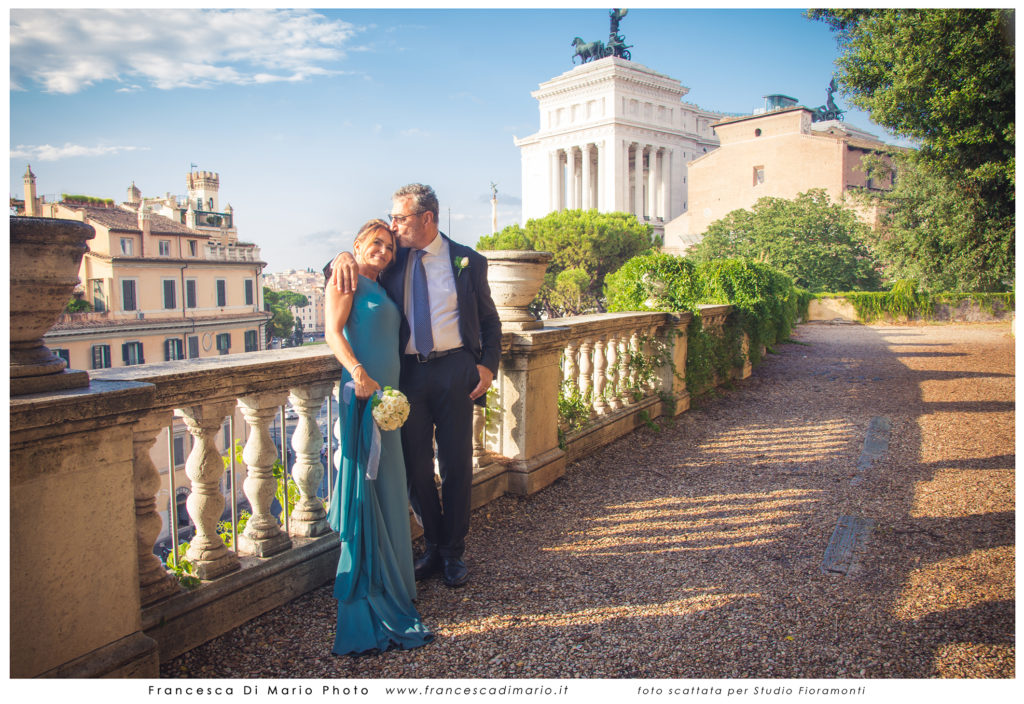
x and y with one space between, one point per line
515 277
45 256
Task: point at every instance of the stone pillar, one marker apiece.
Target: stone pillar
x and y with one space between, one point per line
674 380
263 535
570 175
586 181
620 176
638 182
652 184
206 551
555 172
531 375
309 518
666 184
601 197
75 608
154 581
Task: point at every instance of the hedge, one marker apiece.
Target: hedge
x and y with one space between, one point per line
766 305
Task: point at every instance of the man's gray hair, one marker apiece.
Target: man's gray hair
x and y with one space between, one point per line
423 196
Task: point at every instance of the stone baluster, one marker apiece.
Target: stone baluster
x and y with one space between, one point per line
649 339
263 535
626 375
586 367
600 375
308 518
635 349
614 372
479 427
154 581
570 368
209 556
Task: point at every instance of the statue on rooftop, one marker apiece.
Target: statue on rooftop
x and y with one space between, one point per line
615 16
592 51
828 111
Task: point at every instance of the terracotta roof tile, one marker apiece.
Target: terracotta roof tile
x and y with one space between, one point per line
126 221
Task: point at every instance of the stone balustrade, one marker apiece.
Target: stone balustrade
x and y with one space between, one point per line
85 455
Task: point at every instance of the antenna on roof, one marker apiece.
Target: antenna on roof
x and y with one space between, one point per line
193 166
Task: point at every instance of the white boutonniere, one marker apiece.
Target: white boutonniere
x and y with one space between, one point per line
460 264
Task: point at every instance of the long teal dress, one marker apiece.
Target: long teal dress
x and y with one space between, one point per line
375 584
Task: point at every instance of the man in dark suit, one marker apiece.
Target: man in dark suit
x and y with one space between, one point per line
450 342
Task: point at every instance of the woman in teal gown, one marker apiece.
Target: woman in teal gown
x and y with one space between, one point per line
375 586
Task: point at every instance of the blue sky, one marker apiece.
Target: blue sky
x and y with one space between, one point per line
313 117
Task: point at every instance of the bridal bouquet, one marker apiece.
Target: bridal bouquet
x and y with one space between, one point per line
390 409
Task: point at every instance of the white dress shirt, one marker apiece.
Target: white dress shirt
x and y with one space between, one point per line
444 302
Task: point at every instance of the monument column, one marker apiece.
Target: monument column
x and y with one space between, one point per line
601 197
555 176
587 186
622 177
652 183
638 181
570 178
666 185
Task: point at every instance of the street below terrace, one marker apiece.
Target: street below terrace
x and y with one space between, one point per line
757 535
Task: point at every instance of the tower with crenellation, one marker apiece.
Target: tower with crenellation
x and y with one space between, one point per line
202 190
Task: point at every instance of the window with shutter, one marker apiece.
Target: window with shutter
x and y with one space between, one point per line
101 356
170 302
128 302
131 353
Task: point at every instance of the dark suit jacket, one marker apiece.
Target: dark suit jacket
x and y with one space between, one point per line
479 325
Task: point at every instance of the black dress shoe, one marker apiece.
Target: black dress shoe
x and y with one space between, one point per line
454 572
427 564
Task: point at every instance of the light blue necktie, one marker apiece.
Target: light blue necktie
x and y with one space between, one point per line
423 335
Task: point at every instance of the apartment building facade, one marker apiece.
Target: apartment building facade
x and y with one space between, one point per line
778 153
166 279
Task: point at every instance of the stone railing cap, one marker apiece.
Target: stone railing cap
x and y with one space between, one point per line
518 255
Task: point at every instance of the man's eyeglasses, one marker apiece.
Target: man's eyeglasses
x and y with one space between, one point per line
399 219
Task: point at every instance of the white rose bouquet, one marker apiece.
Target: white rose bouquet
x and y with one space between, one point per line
390 409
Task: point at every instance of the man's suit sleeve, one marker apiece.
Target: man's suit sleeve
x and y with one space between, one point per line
490 324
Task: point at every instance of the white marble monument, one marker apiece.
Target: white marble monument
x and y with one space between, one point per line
615 136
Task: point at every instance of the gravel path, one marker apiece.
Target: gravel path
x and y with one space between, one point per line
696 551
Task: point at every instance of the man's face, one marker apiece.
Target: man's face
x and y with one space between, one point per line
409 225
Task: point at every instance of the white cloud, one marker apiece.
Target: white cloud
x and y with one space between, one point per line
414 132
65 51
48 152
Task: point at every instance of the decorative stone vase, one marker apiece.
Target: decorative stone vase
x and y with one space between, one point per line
45 256
515 278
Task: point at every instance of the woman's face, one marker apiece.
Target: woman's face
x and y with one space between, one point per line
377 249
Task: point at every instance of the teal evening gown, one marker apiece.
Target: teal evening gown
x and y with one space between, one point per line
375 585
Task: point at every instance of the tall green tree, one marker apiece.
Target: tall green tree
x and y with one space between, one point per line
819 244
587 245
282 323
939 232
944 77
